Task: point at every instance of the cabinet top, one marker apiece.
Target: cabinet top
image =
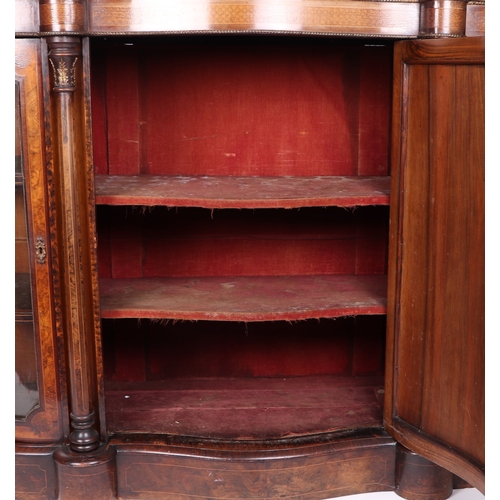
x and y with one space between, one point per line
370 18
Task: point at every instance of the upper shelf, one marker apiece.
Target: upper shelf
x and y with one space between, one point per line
241 192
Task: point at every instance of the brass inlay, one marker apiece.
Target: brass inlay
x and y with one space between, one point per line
64 77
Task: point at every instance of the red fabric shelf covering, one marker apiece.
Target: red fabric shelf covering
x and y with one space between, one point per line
262 408
241 192
244 298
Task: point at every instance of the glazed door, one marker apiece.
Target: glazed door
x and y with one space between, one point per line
37 395
435 365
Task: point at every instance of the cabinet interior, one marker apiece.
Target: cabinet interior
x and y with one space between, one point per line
242 192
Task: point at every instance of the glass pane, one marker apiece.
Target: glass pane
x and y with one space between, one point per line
27 396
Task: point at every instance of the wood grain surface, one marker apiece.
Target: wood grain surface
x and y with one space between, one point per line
243 298
436 393
46 421
245 409
335 16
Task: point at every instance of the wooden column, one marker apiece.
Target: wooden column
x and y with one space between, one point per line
86 467
65 60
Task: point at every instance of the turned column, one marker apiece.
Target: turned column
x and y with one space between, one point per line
86 467
64 59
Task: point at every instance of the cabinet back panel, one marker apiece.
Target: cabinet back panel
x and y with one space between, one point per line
145 350
198 242
241 106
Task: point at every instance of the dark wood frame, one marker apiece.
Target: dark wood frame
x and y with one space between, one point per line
467 52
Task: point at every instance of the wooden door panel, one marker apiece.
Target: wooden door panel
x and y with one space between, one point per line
435 384
40 403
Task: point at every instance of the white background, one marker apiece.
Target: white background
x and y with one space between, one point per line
463 494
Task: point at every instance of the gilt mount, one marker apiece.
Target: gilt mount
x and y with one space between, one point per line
64 76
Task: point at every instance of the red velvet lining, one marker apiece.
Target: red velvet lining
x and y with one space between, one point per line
198 242
147 350
241 106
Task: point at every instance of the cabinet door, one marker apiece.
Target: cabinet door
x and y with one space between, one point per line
435 364
37 396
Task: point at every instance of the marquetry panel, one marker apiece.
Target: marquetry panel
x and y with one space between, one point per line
333 16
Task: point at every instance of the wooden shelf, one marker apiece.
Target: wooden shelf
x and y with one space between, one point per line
259 408
241 192
253 298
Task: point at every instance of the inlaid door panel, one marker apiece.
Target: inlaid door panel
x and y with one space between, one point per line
37 394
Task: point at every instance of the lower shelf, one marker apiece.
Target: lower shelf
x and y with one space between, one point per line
245 409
